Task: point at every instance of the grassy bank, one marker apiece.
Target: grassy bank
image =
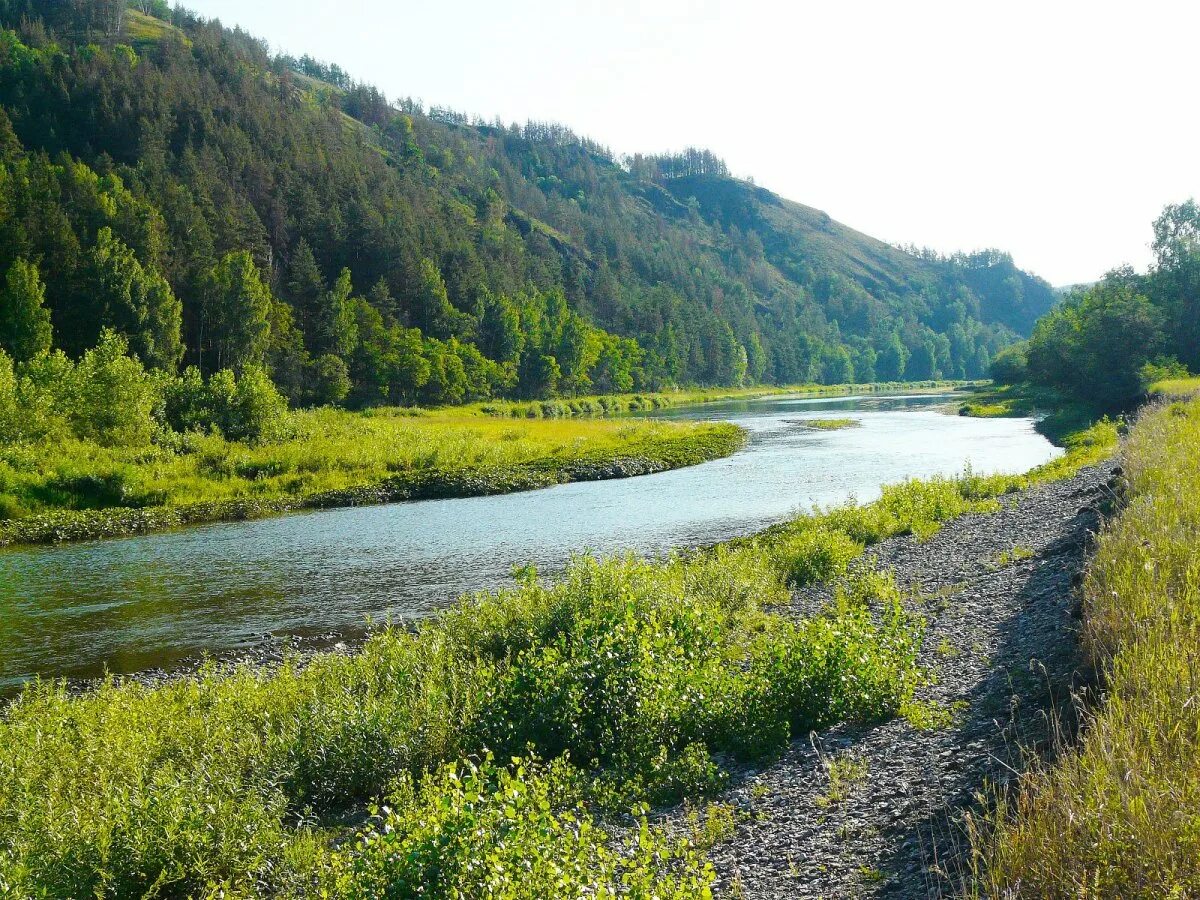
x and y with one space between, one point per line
1175 388
1059 417
69 489
494 742
1116 817
616 404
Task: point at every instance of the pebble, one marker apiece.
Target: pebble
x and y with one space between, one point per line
900 832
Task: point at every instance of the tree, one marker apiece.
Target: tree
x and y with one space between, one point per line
380 297
237 309
892 360
836 365
1010 365
305 287
756 358
113 396
500 336
1176 277
135 301
429 307
331 380
25 329
335 327
538 375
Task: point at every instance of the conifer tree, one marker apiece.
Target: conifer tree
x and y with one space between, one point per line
25 329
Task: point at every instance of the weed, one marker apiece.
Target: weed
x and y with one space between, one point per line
845 771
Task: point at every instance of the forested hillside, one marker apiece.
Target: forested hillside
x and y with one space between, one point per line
169 179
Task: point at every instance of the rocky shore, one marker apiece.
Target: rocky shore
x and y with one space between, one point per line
877 811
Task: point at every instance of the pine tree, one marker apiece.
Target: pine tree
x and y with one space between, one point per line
25 329
305 288
237 309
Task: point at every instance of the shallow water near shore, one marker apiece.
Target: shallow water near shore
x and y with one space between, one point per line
134 603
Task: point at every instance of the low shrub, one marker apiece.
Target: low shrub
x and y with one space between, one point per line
508 833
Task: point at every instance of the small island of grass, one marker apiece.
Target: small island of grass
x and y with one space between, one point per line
831 424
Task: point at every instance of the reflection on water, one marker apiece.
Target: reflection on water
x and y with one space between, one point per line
132 603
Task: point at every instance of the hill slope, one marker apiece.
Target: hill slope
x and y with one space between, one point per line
403 254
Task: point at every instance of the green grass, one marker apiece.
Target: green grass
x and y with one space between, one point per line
1058 417
1176 388
640 674
496 746
845 771
145 31
66 488
831 424
1116 816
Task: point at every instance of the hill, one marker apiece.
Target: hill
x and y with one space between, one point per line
170 179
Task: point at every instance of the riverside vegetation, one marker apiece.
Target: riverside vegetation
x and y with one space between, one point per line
1114 817
103 447
508 748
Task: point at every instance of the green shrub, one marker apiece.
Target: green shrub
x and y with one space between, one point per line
10 508
243 408
495 833
813 554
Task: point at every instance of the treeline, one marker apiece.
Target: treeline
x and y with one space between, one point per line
204 200
1108 343
691 162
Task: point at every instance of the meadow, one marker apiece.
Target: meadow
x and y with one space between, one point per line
1115 816
1175 388
509 748
60 482
67 488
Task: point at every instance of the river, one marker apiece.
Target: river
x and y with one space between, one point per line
129 604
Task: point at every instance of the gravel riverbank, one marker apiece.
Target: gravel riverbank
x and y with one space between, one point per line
999 593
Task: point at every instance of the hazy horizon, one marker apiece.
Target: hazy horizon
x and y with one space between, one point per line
936 125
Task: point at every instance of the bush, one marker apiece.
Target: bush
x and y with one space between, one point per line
812 554
249 408
497 833
114 396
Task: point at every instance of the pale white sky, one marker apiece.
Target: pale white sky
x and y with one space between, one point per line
1056 129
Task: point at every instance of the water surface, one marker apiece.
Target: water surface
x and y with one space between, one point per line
131 603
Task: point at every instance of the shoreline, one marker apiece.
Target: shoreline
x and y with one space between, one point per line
69 526
998 589
66 526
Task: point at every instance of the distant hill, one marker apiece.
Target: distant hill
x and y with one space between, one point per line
480 259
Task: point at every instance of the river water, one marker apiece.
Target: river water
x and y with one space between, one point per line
132 603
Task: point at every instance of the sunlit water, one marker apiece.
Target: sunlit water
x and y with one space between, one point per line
133 603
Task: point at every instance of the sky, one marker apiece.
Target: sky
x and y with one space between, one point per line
1056 130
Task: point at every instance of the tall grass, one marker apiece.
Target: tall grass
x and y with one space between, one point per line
1117 816
1176 388
70 488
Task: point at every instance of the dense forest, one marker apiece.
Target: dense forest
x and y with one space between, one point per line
168 184
1107 343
